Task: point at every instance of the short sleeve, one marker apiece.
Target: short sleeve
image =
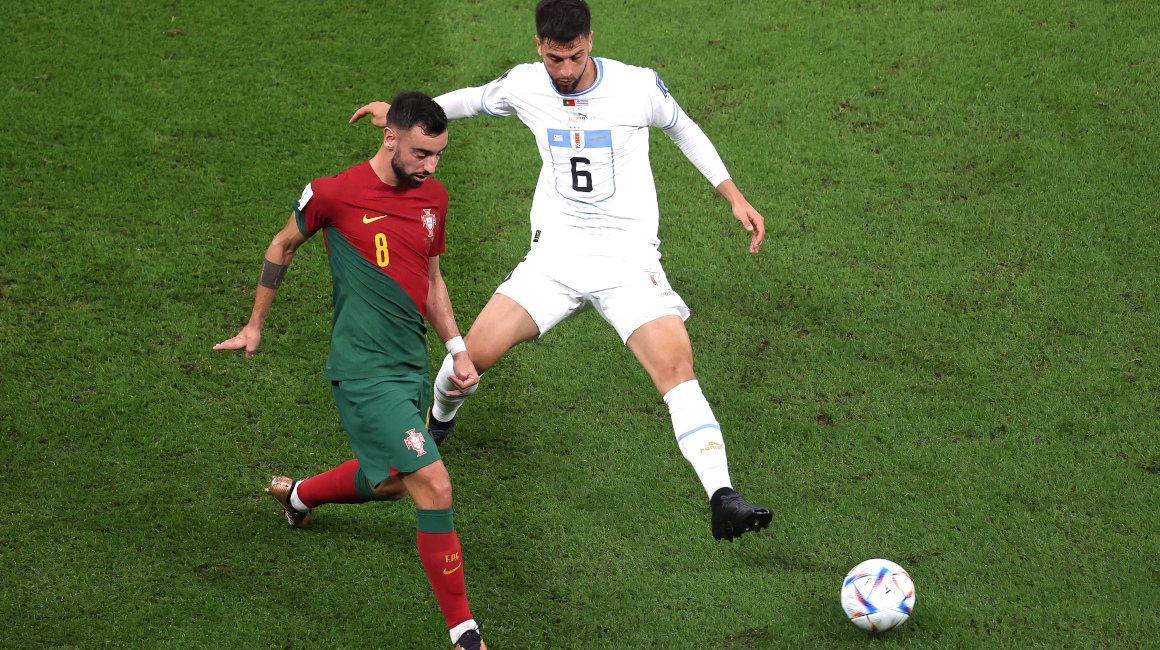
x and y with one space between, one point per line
663 111
309 209
439 246
494 99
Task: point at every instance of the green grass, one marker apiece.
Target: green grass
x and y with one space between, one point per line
944 355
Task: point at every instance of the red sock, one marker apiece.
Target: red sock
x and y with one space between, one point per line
335 486
443 561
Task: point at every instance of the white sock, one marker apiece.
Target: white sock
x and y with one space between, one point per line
444 407
295 502
699 435
458 630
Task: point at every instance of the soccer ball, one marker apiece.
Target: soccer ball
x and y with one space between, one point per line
878 595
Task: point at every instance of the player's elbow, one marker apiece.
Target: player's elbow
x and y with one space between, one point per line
283 247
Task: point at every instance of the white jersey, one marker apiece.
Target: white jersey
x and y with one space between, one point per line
595 197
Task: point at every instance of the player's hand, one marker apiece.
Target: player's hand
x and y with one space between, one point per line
465 376
248 340
377 111
752 221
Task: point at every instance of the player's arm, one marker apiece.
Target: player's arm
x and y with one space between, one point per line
277 260
442 318
700 151
457 104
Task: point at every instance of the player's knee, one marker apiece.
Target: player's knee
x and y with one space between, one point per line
679 370
436 489
483 354
440 491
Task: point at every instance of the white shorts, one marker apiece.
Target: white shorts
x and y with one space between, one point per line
643 296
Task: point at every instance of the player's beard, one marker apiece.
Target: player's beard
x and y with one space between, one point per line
407 179
571 88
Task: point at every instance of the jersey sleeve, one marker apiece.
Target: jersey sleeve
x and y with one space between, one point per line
667 115
440 244
310 209
491 99
663 111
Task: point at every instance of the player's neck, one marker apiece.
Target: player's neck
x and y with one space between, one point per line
381 165
587 78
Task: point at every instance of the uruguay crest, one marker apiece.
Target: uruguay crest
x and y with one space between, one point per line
415 442
429 224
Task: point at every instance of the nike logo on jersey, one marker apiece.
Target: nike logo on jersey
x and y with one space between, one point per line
365 220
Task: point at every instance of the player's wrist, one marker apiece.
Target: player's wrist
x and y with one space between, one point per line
455 346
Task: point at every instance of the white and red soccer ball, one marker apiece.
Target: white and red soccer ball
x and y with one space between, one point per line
878 595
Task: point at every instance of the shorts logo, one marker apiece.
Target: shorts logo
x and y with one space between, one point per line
429 222
415 442
713 445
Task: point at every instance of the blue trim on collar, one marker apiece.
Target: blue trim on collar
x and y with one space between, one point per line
599 78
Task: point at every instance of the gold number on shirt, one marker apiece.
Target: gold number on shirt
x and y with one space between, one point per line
381 255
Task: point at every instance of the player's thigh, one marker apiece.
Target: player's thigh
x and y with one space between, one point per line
501 325
649 316
526 305
384 419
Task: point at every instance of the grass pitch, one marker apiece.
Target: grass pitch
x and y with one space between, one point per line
944 355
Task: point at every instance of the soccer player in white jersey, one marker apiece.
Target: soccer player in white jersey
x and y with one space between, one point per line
594 232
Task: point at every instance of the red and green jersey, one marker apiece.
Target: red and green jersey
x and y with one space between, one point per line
379 239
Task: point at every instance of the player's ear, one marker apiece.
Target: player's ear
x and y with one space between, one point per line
389 139
539 46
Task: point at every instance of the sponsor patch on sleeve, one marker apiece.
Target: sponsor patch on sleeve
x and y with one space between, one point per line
661 85
306 194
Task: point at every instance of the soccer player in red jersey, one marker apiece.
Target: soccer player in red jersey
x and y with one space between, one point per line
384 223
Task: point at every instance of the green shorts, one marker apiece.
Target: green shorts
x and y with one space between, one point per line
386 422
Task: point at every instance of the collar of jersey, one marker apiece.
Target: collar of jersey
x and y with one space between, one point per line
599 78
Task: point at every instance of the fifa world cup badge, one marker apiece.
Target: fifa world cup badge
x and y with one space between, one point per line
429 222
415 441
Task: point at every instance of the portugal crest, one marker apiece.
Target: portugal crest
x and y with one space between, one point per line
429 224
415 441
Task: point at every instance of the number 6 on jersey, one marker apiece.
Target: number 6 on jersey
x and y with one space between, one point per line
583 163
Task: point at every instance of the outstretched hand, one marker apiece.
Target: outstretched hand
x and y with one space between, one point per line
465 376
752 221
248 340
377 111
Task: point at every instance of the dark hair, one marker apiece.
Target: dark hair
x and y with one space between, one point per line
562 21
415 108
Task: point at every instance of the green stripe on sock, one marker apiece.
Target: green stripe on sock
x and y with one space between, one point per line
434 522
362 485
